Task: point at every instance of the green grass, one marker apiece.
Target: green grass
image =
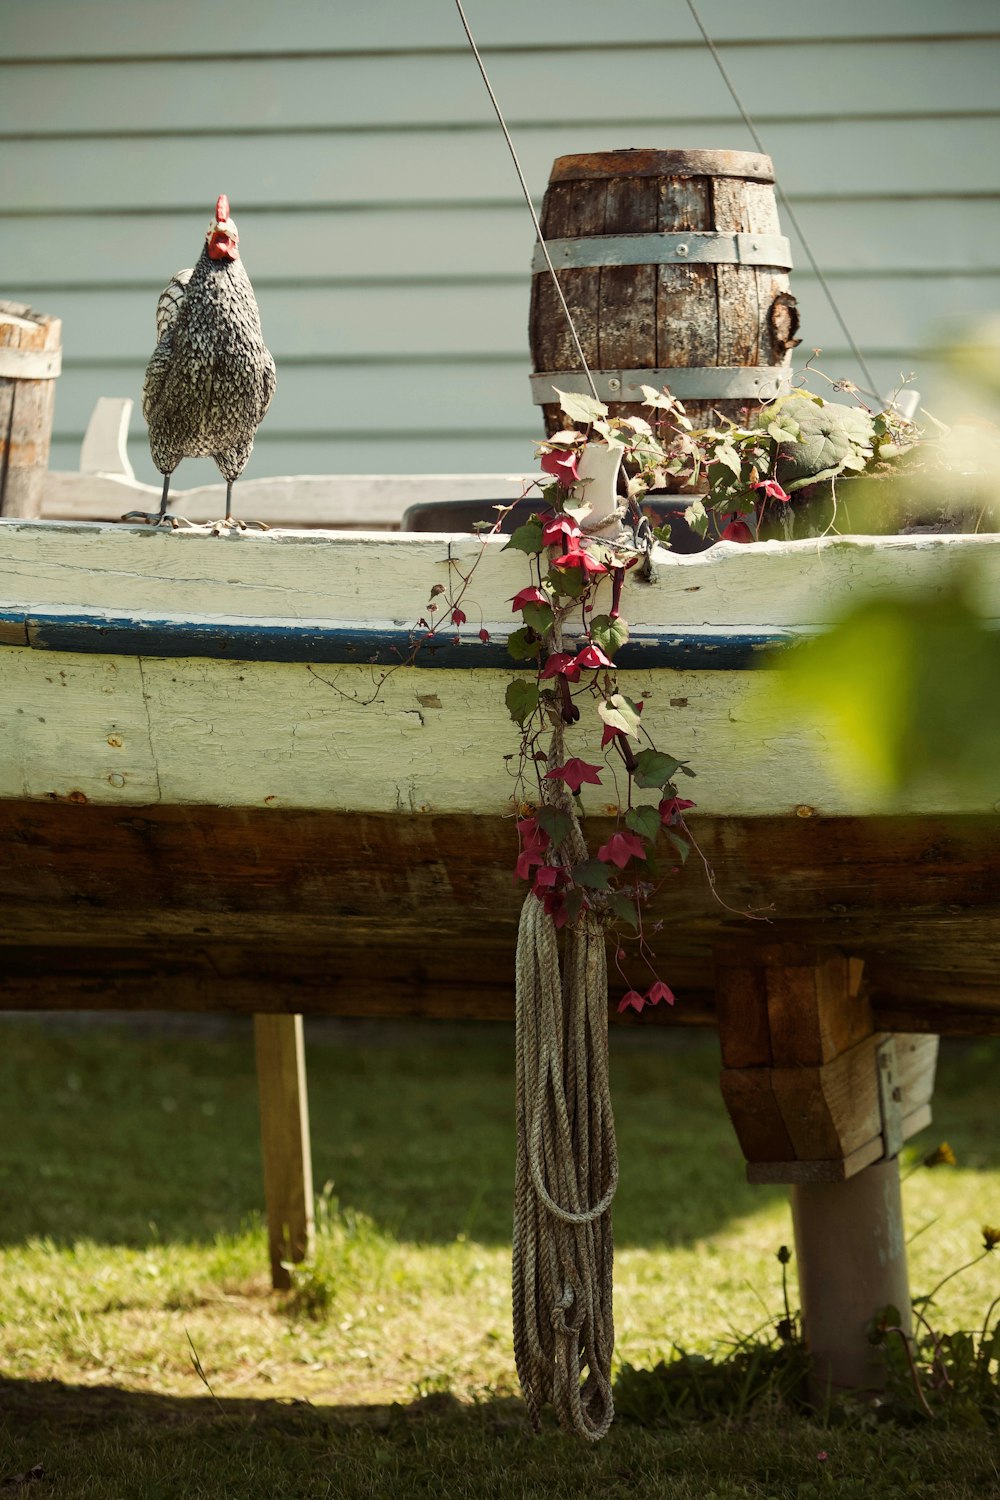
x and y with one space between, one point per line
130 1233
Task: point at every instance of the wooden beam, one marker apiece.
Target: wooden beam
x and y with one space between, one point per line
284 1128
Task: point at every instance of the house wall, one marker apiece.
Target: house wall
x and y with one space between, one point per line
379 214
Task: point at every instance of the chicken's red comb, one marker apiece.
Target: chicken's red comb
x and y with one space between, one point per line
221 209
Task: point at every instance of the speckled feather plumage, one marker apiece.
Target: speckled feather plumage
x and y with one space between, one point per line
211 377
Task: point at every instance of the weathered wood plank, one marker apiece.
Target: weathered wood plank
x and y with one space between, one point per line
286 1149
253 909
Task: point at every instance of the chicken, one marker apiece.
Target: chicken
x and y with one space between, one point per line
211 377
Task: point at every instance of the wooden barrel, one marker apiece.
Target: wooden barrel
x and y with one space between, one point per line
30 360
675 272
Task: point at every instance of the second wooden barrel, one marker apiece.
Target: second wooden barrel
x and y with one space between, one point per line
675 272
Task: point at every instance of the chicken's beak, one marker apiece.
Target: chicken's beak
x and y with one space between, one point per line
223 241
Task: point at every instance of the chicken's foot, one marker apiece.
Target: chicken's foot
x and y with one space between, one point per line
160 517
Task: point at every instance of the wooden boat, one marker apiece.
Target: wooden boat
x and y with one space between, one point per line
210 778
227 784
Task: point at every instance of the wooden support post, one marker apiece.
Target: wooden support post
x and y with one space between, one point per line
284 1128
822 1101
851 1255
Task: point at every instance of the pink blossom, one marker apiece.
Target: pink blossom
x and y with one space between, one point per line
533 841
620 848
633 999
559 527
771 490
574 773
528 596
671 809
736 531
561 664
660 991
562 466
593 656
582 560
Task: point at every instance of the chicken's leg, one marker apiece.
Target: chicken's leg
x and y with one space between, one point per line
231 523
157 518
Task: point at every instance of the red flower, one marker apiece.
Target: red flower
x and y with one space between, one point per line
554 906
548 878
610 733
660 991
484 635
534 841
620 848
592 656
671 809
458 617
529 596
633 999
736 531
562 466
582 560
771 490
559 527
574 773
561 664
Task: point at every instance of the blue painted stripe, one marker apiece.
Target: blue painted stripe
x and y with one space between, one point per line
124 635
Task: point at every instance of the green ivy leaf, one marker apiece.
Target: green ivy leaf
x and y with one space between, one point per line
686 770
521 698
787 432
624 908
653 768
644 820
524 644
556 824
567 583
527 538
618 713
697 517
573 902
538 616
592 873
580 408
682 847
607 633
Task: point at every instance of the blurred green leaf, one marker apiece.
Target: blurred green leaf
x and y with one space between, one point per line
912 687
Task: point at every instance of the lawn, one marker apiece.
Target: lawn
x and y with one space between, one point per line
143 1353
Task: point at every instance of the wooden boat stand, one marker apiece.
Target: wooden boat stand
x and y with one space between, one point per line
819 1099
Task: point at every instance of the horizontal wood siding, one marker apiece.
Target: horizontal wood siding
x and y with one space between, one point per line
378 209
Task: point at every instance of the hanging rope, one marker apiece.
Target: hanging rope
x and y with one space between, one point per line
567 1161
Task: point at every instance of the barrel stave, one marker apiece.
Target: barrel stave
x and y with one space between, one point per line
675 314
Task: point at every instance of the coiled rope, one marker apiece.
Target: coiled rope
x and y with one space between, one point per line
567 1161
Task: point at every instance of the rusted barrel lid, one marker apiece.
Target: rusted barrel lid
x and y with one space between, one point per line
642 162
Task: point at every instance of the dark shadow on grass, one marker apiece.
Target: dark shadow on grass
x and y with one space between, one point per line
100 1443
136 1134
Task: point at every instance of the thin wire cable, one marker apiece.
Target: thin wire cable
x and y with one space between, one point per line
531 207
748 122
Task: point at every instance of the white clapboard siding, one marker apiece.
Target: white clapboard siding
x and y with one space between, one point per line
378 209
483 421
378 322
123 28
828 157
410 245
338 93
